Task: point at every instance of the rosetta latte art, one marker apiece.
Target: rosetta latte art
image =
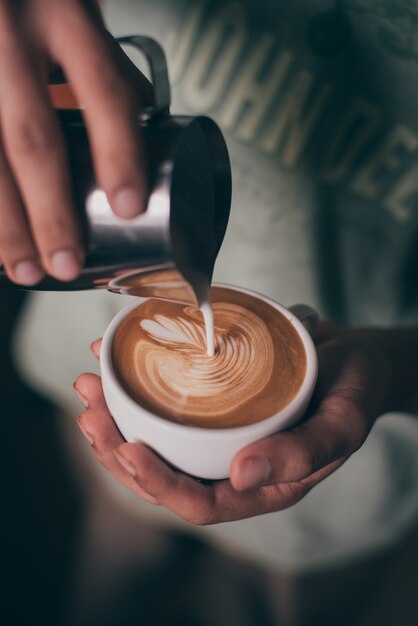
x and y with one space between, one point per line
162 362
171 360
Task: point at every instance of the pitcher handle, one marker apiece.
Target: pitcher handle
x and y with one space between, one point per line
157 62
308 317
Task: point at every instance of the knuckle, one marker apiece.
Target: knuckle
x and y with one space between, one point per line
198 520
358 431
34 137
337 403
13 243
123 162
54 232
303 461
202 516
104 461
305 464
102 457
118 98
115 85
353 424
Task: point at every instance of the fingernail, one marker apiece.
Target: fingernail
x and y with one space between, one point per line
81 396
254 472
66 265
28 272
127 465
86 433
127 203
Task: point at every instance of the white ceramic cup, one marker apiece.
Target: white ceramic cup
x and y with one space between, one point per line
203 452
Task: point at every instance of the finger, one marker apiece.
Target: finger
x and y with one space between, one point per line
18 252
178 492
101 428
315 478
110 110
101 432
345 411
326 437
90 391
37 157
95 348
327 330
215 502
278 497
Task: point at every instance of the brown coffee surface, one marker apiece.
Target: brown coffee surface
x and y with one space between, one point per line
159 356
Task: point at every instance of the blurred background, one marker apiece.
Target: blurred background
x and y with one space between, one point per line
81 550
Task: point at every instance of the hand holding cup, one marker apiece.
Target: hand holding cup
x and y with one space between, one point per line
271 473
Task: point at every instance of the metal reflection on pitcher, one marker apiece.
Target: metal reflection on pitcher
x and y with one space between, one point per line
156 282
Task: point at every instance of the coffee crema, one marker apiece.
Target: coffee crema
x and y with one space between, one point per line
159 357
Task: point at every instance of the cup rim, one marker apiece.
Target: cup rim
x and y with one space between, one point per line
263 426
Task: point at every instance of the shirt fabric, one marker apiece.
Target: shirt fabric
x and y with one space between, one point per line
317 100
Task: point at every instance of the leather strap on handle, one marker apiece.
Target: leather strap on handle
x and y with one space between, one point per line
62 97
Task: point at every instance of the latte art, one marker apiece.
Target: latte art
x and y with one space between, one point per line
171 358
159 354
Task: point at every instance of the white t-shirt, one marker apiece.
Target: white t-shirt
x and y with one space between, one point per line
317 100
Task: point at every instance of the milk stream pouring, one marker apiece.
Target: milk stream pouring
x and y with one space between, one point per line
169 251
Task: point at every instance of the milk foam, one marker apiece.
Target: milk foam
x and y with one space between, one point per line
207 312
258 363
172 359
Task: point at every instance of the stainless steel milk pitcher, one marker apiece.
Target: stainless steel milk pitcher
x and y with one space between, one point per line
179 236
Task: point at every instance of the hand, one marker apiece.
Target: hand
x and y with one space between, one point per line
271 474
39 231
